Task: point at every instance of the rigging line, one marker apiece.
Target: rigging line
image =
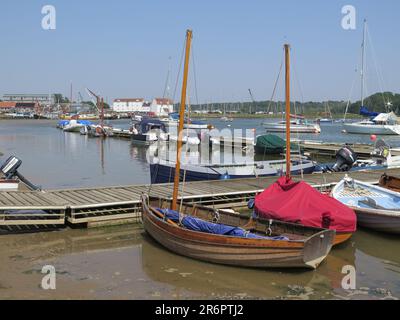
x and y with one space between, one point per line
378 70
294 101
166 87
350 94
186 146
179 70
195 76
275 86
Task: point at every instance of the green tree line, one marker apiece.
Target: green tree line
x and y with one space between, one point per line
377 102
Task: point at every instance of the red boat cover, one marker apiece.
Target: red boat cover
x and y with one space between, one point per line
298 202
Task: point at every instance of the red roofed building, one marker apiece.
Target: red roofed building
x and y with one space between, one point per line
18 107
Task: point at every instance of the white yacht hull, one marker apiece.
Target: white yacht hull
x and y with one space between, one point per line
372 129
270 127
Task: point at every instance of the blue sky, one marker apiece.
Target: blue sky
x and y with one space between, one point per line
125 48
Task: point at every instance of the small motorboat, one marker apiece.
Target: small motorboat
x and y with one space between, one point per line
235 239
172 123
148 131
10 178
96 131
9 184
383 123
377 208
347 160
74 125
226 119
298 202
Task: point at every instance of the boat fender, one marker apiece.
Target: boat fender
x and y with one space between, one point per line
251 204
225 176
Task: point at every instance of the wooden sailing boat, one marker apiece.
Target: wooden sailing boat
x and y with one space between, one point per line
303 209
228 238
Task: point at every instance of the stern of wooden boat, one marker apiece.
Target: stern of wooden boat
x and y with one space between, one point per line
317 247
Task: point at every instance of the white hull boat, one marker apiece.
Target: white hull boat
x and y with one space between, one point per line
296 127
376 208
369 127
73 126
8 185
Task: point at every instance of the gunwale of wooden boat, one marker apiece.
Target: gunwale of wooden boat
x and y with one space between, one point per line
304 251
384 220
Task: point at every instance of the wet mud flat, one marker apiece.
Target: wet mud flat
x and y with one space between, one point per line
123 262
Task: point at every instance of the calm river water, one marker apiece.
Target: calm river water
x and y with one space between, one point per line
124 263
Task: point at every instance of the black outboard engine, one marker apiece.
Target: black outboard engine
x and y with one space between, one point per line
345 159
10 170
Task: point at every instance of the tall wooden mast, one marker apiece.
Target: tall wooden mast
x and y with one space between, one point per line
181 121
287 111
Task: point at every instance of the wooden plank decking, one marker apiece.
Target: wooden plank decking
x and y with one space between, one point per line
93 205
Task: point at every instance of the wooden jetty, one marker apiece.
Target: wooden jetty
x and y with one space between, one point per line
327 149
92 207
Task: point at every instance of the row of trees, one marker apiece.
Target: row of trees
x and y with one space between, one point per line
377 102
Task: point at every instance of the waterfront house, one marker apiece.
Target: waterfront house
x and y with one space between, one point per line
130 105
161 107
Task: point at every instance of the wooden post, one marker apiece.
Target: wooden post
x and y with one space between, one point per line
287 85
181 121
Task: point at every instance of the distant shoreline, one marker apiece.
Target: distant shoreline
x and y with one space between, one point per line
217 116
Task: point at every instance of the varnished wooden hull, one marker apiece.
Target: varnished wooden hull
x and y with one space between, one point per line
245 252
341 238
390 182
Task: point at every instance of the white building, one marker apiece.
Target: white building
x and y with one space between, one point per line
162 106
130 105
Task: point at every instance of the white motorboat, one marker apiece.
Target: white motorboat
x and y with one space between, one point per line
9 184
148 131
73 126
383 124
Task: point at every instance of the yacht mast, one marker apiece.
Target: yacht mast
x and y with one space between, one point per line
363 64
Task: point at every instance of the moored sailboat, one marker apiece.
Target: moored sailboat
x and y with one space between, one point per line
298 202
220 237
376 123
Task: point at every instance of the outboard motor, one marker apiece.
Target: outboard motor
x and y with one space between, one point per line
381 151
345 159
10 170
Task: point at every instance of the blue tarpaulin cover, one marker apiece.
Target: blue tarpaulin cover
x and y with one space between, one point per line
366 113
200 225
